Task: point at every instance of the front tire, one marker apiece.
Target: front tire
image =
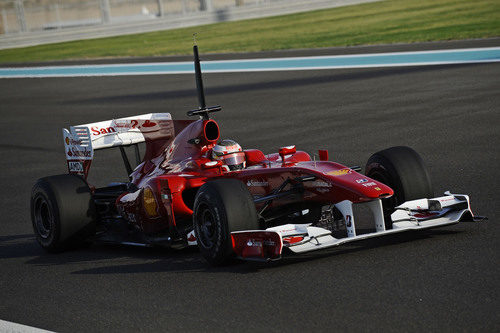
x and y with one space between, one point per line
63 213
402 169
220 207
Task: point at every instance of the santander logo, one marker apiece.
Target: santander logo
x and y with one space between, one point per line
82 152
104 130
120 125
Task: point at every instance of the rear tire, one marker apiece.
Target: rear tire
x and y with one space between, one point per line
63 213
220 207
402 169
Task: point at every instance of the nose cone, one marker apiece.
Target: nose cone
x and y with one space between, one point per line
373 189
345 183
365 187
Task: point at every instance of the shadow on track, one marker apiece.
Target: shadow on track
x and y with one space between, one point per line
18 246
154 260
119 259
27 148
368 244
276 84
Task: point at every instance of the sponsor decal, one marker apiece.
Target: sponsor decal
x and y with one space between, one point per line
148 123
257 243
70 141
121 124
96 131
320 183
79 152
252 242
370 184
360 181
292 239
341 172
126 124
378 188
348 221
75 167
253 182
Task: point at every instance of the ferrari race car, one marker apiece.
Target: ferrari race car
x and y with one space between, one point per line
178 195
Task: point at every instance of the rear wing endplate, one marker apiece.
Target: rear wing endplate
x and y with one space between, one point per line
81 141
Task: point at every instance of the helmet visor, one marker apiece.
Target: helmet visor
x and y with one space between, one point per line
234 158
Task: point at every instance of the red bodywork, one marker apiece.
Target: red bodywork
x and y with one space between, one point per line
174 167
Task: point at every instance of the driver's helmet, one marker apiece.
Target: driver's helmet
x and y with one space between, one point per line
230 153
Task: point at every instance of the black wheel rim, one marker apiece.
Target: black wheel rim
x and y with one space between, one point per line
44 219
207 226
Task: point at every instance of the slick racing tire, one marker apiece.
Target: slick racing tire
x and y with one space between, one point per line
402 169
220 207
62 212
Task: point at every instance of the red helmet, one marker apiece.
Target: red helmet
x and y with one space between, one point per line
230 153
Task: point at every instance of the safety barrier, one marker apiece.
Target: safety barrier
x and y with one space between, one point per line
31 15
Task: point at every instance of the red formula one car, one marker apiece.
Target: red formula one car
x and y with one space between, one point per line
185 192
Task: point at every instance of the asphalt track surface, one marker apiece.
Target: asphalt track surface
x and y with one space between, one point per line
439 280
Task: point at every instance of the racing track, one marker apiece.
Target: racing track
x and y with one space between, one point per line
446 279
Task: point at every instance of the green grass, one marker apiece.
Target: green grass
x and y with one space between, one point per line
390 21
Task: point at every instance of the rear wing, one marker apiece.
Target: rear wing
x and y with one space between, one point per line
81 141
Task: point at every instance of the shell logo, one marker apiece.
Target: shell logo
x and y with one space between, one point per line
341 172
149 201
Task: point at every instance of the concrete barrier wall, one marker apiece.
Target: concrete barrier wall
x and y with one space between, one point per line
28 15
33 22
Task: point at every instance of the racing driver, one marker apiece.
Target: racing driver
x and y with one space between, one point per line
230 153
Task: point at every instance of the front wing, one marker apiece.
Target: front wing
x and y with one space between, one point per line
300 238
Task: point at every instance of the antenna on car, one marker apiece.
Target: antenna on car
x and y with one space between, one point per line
203 111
